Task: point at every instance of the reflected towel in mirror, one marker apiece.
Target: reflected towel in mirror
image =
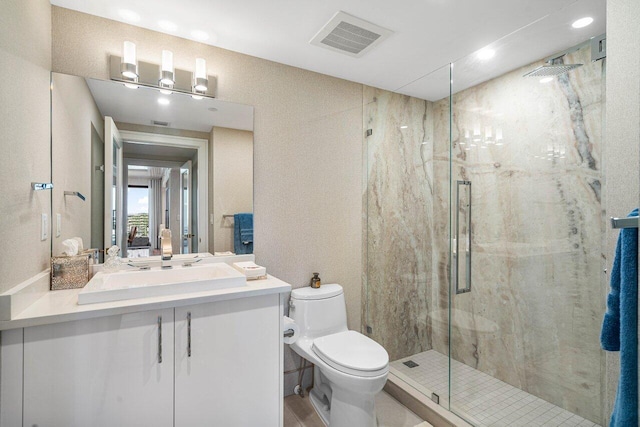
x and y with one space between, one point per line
243 233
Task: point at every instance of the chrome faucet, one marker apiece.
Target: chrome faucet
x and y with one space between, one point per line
165 247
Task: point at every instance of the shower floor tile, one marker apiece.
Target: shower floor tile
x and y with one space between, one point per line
480 398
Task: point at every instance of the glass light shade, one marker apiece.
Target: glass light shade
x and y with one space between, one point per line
129 66
201 75
201 68
166 72
167 60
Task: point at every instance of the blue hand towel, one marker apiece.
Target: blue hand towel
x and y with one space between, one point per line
620 326
243 233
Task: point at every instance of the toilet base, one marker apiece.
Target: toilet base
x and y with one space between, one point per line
320 406
352 412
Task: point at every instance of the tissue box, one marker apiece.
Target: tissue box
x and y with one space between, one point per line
69 272
251 270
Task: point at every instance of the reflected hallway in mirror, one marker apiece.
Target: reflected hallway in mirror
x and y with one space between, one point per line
148 160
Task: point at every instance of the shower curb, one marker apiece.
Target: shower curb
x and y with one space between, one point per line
421 405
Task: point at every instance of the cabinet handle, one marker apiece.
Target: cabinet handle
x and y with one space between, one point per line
159 339
189 334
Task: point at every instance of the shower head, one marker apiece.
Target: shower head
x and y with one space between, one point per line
552 70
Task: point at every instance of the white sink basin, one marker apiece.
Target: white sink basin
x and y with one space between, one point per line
105 287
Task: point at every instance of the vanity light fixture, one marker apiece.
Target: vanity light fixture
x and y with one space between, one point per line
167 79
200 82
163 76
129 66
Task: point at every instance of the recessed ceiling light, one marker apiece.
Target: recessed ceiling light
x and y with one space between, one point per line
403 127
546 80
129 15
199 35
582 22
486 53
131 86
167 26
163 101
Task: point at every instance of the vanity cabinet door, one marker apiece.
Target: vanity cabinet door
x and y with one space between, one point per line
100 372
228 366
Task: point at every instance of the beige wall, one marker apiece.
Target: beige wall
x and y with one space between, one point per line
25 61
622 147
74 113
232 182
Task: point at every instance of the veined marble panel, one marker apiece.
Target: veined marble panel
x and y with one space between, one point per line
533 152
537 221
399 220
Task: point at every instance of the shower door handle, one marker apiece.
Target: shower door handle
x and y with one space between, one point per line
463 223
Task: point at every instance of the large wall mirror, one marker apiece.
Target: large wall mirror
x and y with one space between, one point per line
128 161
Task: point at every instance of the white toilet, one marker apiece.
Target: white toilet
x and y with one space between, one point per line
350 368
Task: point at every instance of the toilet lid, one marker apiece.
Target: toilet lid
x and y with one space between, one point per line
352 352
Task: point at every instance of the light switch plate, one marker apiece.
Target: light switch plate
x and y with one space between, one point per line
44 232
58 225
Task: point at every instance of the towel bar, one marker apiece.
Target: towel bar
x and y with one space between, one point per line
631 222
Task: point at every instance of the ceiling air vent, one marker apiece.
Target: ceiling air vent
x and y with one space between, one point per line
349 35
159 123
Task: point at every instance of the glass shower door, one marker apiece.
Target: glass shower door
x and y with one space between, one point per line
406 200
526 234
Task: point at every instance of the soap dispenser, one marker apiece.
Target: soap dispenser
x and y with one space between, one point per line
315 281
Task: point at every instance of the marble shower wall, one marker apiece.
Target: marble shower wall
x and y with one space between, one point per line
533 316
398 203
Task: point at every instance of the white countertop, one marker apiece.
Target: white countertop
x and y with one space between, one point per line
62 306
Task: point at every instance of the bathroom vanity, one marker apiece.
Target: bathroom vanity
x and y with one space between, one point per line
198 358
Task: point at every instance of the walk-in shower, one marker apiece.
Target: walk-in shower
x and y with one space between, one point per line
484 231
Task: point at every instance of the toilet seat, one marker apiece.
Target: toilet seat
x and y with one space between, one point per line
352 353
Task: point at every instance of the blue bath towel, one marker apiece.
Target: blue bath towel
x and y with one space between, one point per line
243 233
620 326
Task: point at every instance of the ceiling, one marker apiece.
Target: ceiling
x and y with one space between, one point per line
149 151
140 106
427 34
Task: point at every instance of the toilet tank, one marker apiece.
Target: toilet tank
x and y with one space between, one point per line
320 311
